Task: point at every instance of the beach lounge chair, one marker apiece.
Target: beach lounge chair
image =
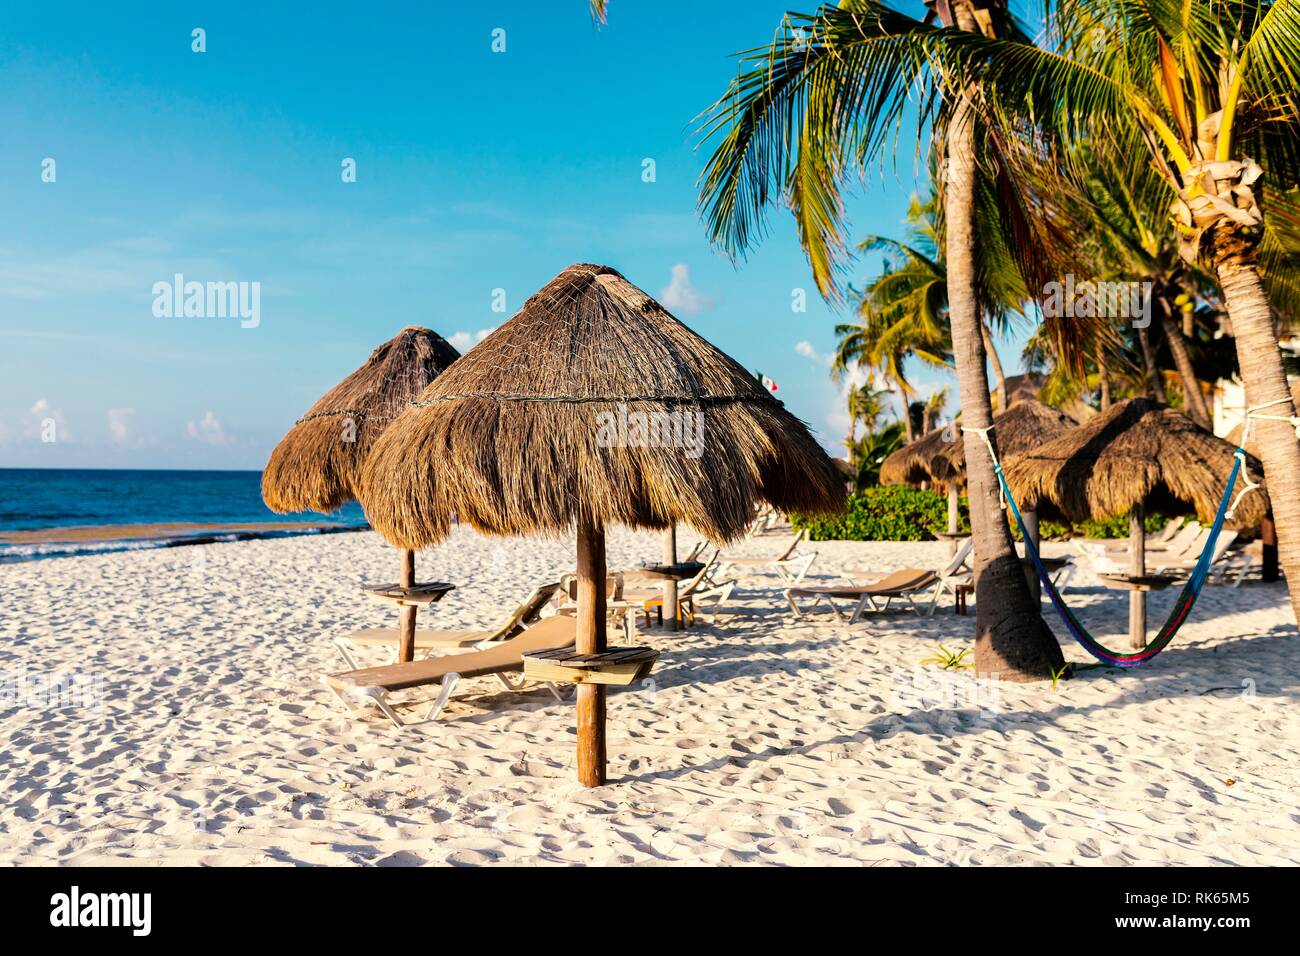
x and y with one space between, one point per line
905 583
1221 563
370 686
789 564
430 641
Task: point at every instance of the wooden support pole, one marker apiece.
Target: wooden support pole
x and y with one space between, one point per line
954 517
670 585
1031 574
406 620
1268 545
591 640
1137 567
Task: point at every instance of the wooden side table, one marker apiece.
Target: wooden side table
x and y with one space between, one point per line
960 593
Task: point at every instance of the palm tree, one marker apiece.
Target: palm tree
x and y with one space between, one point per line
882 342
1207 92
866 405
822 101
901 315
934 406
914 296
1119 210
871 450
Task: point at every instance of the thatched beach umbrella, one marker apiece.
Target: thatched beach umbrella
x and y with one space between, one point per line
1136 452
317 465
922 461
592 406
940 456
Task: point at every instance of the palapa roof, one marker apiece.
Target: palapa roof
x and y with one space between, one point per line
939 457
1030 385
541 424
314 468
1134 451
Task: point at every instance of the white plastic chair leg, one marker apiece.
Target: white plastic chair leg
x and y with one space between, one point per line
444 694
377 697
339 696
559 695
794 605
345 651
509 681
803 564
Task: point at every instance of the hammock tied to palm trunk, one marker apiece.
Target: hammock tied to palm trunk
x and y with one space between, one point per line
1191 590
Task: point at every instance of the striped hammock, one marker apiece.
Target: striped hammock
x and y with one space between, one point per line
1182 607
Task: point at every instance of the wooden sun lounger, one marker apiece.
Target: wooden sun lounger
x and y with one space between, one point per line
900 584
430 640
373 684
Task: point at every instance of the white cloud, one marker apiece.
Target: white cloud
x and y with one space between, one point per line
808 351
209 431
464 341
119 424
680 296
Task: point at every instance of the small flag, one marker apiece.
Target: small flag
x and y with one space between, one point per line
768 383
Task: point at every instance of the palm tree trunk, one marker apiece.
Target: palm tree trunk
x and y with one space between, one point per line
1000 393
908 430
1155 386
1194 403
1012 642
1103 381
1236 265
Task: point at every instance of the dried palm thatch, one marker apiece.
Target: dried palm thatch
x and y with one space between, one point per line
940 456
1025 425
317 465
1134 451
922 460
592 403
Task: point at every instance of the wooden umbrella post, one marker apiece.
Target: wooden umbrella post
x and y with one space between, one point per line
591 640
670 584
1137 568
1268 546
954 517
1031 574
406 621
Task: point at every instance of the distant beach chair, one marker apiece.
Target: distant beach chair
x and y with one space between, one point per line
618 612
789 564
370 686
1186 540
692 594
905 583
428 640
1220 561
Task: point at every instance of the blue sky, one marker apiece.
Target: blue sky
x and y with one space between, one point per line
475 171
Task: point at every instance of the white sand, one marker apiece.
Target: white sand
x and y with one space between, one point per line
762 740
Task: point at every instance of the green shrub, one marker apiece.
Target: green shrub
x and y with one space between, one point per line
885 513
1118 527
901 513
1092 528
